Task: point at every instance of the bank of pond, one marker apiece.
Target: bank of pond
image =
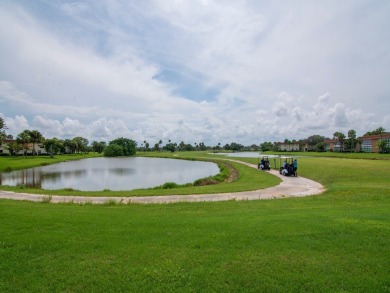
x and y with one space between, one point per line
96 174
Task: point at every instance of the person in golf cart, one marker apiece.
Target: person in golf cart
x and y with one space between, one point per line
288 168
264 164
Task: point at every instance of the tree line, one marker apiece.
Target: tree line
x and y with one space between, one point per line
127 147
347 142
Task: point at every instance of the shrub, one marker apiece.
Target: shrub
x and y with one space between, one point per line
169 185
8 169
120 147
205 181
113 150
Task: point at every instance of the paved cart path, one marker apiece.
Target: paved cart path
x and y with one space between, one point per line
289 187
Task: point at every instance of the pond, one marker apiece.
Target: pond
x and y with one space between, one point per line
96 174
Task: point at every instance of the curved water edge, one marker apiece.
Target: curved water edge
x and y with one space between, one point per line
290 187
96 174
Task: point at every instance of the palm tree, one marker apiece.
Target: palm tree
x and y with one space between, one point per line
380 130
340 138
2 133
24 139
35 137
352 137
2 124
2 136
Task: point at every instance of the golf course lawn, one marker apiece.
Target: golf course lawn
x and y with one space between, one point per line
338 241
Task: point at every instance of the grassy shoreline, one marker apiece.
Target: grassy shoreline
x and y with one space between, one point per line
249 179
8 163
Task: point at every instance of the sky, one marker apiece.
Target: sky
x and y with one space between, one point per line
194 70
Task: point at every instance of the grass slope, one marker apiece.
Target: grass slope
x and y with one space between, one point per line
338 241
8 163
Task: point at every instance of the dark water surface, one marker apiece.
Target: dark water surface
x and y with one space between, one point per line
111 173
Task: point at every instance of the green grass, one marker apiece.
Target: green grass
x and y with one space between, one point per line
8 163
334 242
368 156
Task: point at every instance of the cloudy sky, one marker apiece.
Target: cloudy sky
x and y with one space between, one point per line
194 70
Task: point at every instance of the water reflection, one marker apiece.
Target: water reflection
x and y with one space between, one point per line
110 173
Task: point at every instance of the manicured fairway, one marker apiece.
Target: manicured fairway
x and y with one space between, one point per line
337 241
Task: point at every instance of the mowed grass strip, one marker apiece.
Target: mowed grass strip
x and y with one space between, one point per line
292 245
336 241
10 163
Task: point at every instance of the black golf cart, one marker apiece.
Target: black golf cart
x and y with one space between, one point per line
264 164
286 166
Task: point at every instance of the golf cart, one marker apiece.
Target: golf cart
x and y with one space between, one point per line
286 166
264 164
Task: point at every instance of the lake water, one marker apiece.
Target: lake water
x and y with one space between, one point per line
111 173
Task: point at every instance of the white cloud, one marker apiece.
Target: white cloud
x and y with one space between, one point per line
263 70
16 124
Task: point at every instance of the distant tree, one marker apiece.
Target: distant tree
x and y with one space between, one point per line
202 146
382 146
53 146
159 144
189 147
275 147
320 147
146 146
98 146
181 146
378 131
127 147
3 136
70 146
236 147
2 124
2 132
24 139
254 147
170 147
80 143
113 150
266 146
35 137
352 139
14 147
340 137
313 140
